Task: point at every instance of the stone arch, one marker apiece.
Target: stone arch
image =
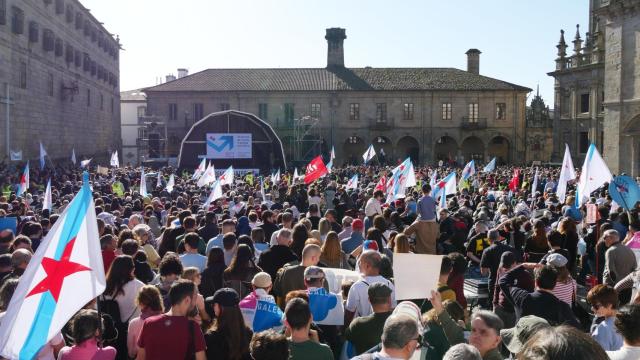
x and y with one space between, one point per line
353 148
408 146
472 148
383 143
445 148
500 148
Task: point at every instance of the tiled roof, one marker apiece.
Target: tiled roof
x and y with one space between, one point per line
133 95
335 79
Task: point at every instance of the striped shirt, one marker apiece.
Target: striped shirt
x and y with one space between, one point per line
565 291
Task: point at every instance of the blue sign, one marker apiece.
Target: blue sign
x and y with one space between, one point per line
624 191
10 223
228 145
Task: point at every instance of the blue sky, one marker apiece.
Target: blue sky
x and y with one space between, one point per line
517 38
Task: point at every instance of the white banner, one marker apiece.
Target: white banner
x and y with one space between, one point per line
16 155
415 275
229 146
335 278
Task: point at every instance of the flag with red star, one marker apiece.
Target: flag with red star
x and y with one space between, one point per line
64 274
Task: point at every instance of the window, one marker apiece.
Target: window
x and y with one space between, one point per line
50 84
59 7
583 142
86 29
354 111
602 102
288 113
48 42
142 111
88 97
501 111
112 104
68 16
23 75
263 111
408 111
17 20
3 12
224 107
381 112
473 112
315 111
86 63
77 58
101 102
34 31
94 34
446 111
198 111
584 103
173 111
68 54
79 20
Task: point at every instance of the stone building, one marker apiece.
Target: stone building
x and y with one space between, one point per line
597 87
60 73
539 130
425 113
133 109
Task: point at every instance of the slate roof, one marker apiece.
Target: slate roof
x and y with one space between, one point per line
335 79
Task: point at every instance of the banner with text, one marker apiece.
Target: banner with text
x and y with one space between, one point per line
229 146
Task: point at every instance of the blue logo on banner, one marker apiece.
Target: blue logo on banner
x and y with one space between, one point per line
624 191
226 140
321 302
267 315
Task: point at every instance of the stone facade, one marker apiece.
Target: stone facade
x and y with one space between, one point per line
133 108
60 67
539 131
426 113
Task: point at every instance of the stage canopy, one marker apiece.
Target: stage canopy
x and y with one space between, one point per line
232 138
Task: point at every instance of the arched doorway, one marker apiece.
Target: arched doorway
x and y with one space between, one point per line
499 148
353 149
472 148
445 149
384 149
408 147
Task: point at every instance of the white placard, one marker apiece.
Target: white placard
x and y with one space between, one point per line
415 275
228 146
335 278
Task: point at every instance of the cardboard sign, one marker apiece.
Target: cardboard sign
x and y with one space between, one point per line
415 275
592 213
335 278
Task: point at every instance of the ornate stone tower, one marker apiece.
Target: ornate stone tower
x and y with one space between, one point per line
335 48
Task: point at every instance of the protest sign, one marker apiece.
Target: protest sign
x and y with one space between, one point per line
415 275
10 223
335 278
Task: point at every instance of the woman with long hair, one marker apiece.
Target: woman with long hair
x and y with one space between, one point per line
149 301
123 287
228 337
567 227
241 271
211 277
193 274
324 226
402 245
332 254
299 237
86 328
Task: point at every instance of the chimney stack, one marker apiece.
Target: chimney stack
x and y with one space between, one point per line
335 53
182 73
170 77
473 61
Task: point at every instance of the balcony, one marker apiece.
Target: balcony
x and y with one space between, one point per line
381 125
473 124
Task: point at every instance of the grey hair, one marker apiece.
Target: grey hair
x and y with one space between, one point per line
490 319
398 330
19 257
284 233
372 257
611 232
462 352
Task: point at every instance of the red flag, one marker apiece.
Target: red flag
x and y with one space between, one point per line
382 184
514 184
315 170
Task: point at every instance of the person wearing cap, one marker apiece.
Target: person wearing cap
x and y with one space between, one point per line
566 287
490 260
228 337
303 342
172 335
604 303
515 337
356 239
400 338
364 332
314 278
425 227
261 284
358 304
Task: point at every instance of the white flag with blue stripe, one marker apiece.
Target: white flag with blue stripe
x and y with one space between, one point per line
46 202
43 153
567 174
65 274
352 184
468 171
369 154
143 184
490 166
595 173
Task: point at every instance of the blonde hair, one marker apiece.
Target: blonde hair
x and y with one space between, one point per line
316 235
324 226
307 223
190 273
401 244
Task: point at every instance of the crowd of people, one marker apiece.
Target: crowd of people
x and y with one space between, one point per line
178 268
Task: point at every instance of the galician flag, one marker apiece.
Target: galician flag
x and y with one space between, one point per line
143 183
432 182
65 274
567 173
329 166
446 186
24 181
260 311
171 183
352 184
490 166
411 175
207 177
216 193
595 173
369 154
47 203
468 171
73 156
534 186
200 169
326 307
85 163
227 177
43 153
115 162
398 181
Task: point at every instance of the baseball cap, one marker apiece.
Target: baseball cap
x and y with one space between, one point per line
225 297
313 272
357 224
370 245
557 260
411 309
379 291
515 337
261 280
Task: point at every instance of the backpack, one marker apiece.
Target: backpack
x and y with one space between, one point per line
110 307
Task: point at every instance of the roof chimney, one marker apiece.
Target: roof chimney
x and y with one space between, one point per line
473 61
182 73
170 77
335 53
